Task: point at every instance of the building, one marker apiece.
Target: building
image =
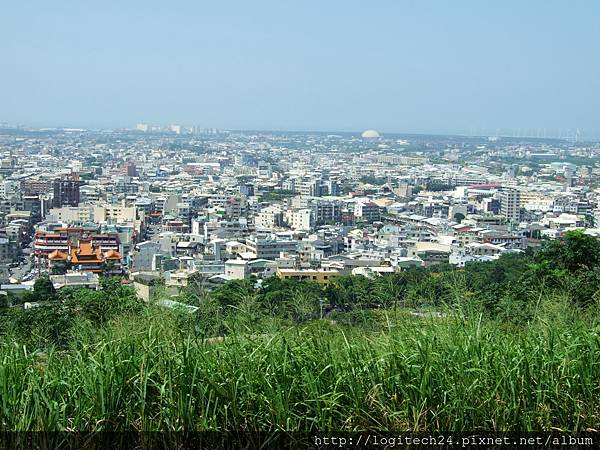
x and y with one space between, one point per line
510 205
143 255
65 239
37 186
179 278
300 219
72 214
268 248
431 252
236 207
269 217
367 212
87 280
236 269
66 191
115 213
58 262
145 284
326 211
130 169
87 257
247 189
321 276
308 187
9 249
403 190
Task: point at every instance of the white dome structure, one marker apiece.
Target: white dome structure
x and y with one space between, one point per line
370 134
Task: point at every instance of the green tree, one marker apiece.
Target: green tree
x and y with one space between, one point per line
459 217
197 290
233 292
576 251
291 299
43 289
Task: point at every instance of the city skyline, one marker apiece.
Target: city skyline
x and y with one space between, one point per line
566 134
299 224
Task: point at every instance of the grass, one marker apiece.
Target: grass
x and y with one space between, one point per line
428 373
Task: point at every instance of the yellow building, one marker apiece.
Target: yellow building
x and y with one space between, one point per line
320 276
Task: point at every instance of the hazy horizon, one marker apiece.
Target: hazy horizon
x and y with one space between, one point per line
397 67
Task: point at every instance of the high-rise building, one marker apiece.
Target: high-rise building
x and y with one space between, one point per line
130 169
510 205
247 189
308 187
404 190
570 180
66 191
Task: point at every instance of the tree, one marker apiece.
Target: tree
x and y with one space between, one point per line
575 252
347 292
43 289
291 299
108 283
570 265
209 319
459 217
197 289
233 292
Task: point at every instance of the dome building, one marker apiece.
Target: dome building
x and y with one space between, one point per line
370 134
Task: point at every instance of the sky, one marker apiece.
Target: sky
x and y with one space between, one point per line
418 66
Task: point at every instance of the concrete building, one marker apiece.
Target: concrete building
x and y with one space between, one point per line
66 191
300 219
143 255
510 205
367 212
321 276
269 248
236 269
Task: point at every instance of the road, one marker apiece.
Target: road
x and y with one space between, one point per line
22 270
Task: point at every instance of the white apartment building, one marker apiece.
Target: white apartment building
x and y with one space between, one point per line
300 219
510 205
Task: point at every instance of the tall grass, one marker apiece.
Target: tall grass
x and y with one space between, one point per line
436 373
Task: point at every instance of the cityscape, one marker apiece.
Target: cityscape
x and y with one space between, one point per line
168 203
299 225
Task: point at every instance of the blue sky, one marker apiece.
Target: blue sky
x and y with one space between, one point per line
403 66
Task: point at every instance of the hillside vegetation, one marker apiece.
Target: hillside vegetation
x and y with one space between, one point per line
507 345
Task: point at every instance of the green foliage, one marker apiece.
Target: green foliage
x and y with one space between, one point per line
109 283
505 345
41 327
371 179
508 288
233 292
438 187
196 291
292 299
43 289
575 252
51 324
364 319
572 265
274 196
459 217
420 374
